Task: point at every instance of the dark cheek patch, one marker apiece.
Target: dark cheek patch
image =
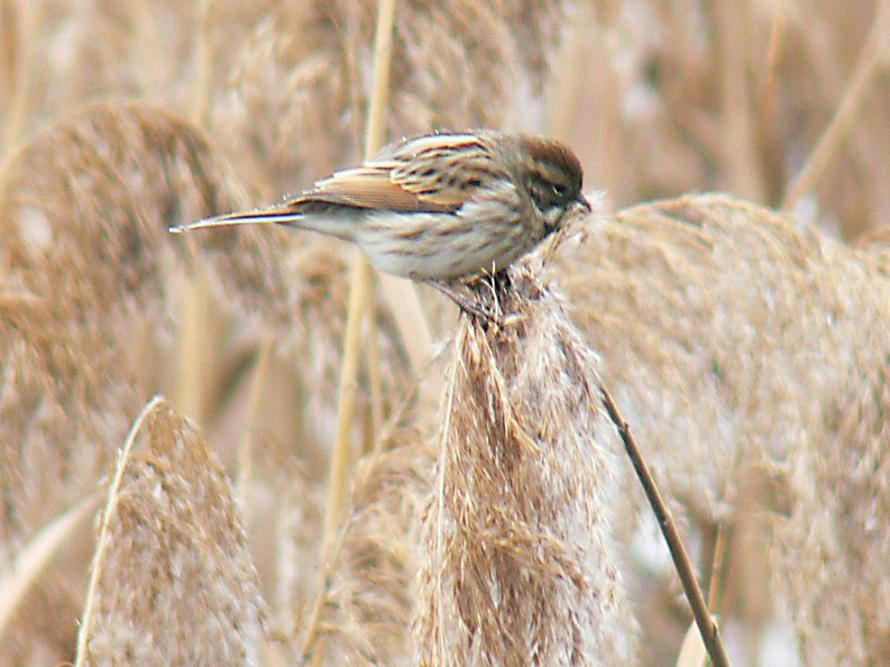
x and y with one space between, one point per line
538 197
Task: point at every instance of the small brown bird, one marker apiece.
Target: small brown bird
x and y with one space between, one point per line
440 207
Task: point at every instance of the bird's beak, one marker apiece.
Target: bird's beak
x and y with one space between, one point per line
583 203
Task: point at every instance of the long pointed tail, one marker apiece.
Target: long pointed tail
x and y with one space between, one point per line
282 215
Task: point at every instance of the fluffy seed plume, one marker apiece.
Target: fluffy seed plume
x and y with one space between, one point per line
520 567
175 583
86 206
833 549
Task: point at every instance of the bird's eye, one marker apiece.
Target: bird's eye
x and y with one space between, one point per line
559 190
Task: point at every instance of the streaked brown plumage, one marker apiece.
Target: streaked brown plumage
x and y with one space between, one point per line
440 207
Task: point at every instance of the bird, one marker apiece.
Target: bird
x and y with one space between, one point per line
439 208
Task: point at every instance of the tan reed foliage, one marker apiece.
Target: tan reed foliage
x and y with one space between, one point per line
725 330
734 344
87 204
686 95
58 55
697 306
356 606
519 565
87 271
175 582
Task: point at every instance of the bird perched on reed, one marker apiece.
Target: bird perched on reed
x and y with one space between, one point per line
439 208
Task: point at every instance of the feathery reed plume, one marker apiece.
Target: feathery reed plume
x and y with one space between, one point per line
21 79
519 563
833 549
729 337
678 296
87 203
86 206
176 584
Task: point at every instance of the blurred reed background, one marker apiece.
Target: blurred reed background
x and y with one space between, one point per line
748 348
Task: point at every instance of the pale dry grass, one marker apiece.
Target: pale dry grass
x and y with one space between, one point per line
747 351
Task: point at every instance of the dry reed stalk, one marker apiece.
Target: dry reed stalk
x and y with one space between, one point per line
363 611
874 57
707 625
31 561
198 339
25 25
777 30
728 336
717 568
519 563
826 43
204 54
363 605
565 98
248 432
401 295
359 298
745 174
360 293
588 86
197 330
173 581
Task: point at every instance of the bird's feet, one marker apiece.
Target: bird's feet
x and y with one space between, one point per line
467 303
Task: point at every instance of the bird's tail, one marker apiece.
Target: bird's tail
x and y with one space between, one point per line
282 215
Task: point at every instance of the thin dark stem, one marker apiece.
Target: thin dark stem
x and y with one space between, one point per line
717 567
710 633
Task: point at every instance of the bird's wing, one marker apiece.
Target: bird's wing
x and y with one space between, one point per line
431 173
